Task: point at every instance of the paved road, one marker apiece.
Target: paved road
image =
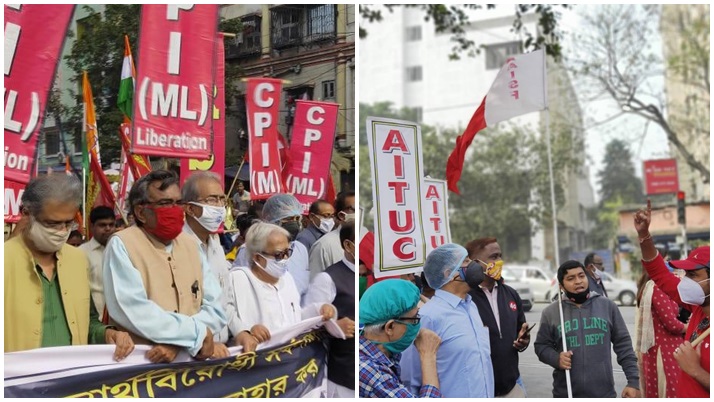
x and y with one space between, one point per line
538 377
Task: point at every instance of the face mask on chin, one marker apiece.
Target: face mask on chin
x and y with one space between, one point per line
578 298
45 239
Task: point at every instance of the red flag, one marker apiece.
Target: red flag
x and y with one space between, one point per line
139 164
331 195
98 188
519 88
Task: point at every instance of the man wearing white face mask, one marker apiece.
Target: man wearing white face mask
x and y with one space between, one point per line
322 221
265 294
47 297
328 250
692 293
206 211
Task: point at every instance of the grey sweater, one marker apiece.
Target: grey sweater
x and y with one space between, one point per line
589 330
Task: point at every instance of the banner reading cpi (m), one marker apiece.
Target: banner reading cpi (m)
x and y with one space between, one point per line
311 151
217 162
173 103
262 106
295 368
34 34
395 155
436 214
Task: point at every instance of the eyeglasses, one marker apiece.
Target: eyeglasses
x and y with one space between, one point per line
218 201
278 255
165 203
295 218
56 225
412 320
326 215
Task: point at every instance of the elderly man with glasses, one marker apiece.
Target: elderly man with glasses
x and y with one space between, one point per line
47 293
157 284
464 359
389 323
265 294
205 206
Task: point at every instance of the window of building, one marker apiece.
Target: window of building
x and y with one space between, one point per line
413 34
414 74
86 25
328 89
320 21
247 41
419 112
52 142
496 55
286 25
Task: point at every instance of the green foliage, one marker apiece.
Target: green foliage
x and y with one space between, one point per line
607 218
617 178
503 168
453 19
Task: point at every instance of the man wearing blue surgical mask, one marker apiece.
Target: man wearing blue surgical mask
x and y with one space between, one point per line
205 213
464 362
389 324
692 293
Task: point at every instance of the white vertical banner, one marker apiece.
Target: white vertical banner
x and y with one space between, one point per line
396 161
436 214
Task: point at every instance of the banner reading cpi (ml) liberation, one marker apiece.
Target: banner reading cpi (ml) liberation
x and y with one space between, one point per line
217 162
311 151
13 197
436 214
34 34
262 105
396 160
295 368
173 105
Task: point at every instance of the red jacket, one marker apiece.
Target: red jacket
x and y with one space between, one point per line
688 387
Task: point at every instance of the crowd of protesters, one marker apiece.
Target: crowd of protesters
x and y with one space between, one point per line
458 329
173 278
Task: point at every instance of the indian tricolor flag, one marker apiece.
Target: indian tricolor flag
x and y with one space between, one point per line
519 88
125 100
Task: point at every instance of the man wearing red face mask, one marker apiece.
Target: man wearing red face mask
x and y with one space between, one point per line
158 286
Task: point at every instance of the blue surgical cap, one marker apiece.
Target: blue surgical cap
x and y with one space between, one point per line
443 264
386 300
281 206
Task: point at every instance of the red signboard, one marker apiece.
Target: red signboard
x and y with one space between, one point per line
13 195
661 176
173 104
262 105
311 151
34 34
217 162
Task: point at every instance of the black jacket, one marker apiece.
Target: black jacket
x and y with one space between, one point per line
504 357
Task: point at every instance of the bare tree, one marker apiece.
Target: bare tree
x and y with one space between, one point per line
617 56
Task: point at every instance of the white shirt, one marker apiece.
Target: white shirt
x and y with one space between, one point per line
213 252
325 252
299 268
493 301
322 289
274 306
95 254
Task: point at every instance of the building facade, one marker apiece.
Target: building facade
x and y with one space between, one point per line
312 48
685 39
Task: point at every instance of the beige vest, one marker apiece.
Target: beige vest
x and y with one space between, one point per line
169 278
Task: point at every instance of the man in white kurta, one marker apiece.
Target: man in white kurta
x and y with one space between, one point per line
265 294
103 223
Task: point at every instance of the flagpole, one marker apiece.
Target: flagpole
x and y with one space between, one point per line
555 219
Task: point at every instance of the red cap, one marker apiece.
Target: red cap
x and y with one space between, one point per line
697 259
